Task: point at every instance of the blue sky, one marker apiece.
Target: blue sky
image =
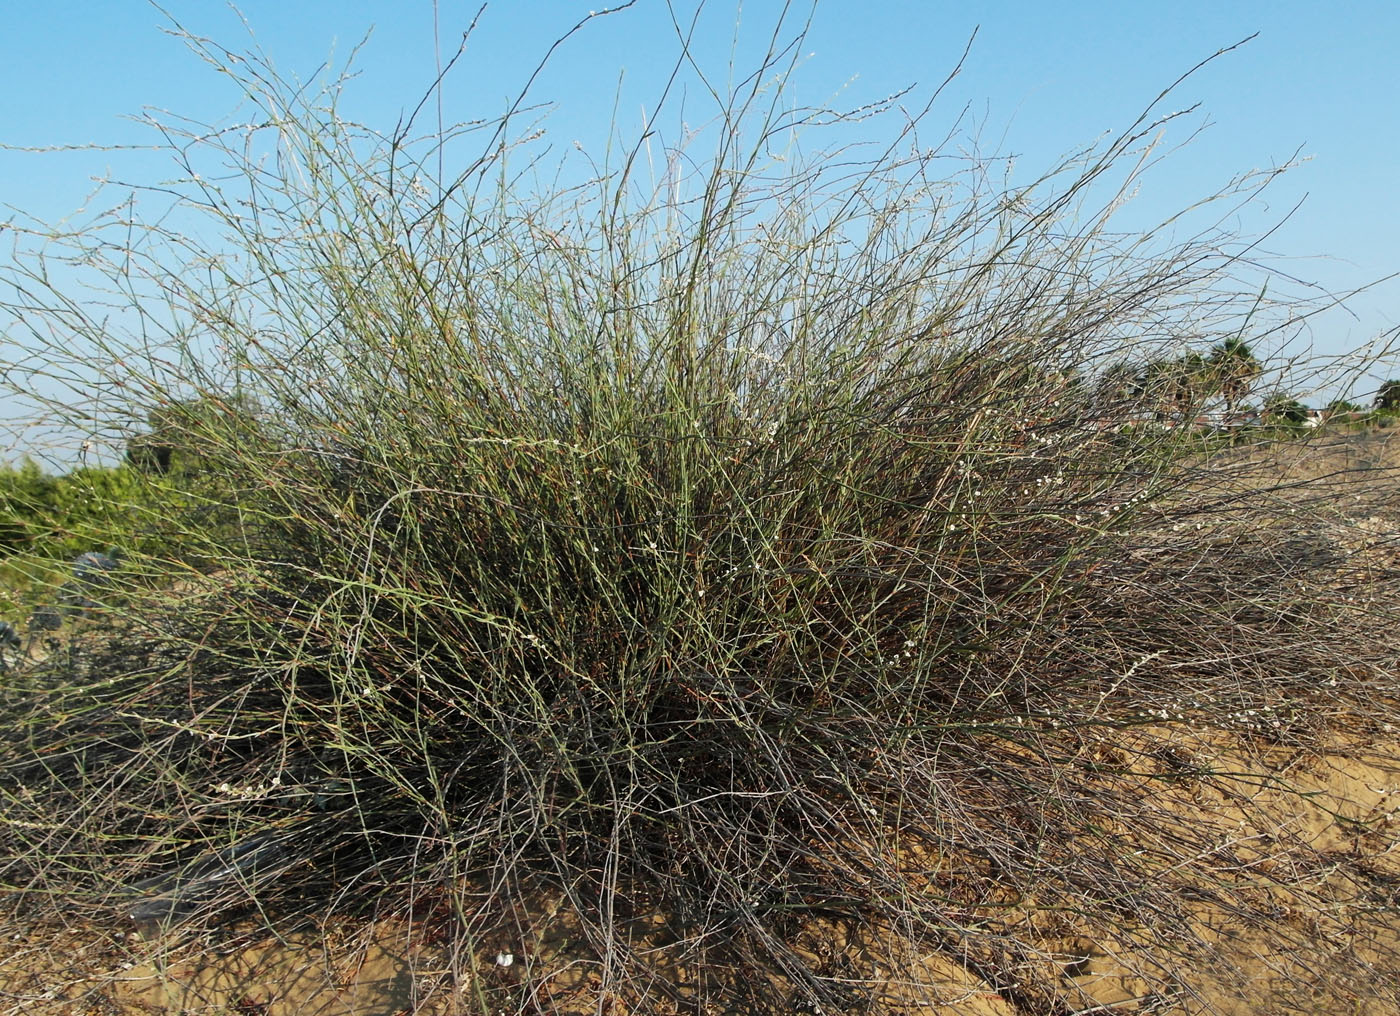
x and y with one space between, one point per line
1041 80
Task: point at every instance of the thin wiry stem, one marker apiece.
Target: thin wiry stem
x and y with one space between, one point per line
699 580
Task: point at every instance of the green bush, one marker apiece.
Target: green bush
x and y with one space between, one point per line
1285 411
56 517
46 518
709 559
27 498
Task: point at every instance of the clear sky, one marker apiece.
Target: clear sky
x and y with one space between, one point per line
1320 80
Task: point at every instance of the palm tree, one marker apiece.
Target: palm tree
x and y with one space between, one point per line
1117 387
1235 368
1174 387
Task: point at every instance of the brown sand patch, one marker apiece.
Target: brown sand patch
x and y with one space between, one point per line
1288 858
336 971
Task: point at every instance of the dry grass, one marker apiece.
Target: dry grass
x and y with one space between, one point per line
718 610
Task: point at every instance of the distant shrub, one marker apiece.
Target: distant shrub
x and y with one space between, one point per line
27 496
1284 409
1388 396
59 516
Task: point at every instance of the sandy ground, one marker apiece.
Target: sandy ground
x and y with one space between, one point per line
1341 801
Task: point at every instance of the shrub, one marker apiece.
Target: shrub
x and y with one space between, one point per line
1285 410
1388 396
55 517
764 559
26 497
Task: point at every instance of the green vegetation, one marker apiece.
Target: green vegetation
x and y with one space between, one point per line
46 520
791 553
1180 387
1281 409
55 518
1232 369
1388 396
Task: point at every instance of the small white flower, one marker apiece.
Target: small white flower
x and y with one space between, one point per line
504 959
